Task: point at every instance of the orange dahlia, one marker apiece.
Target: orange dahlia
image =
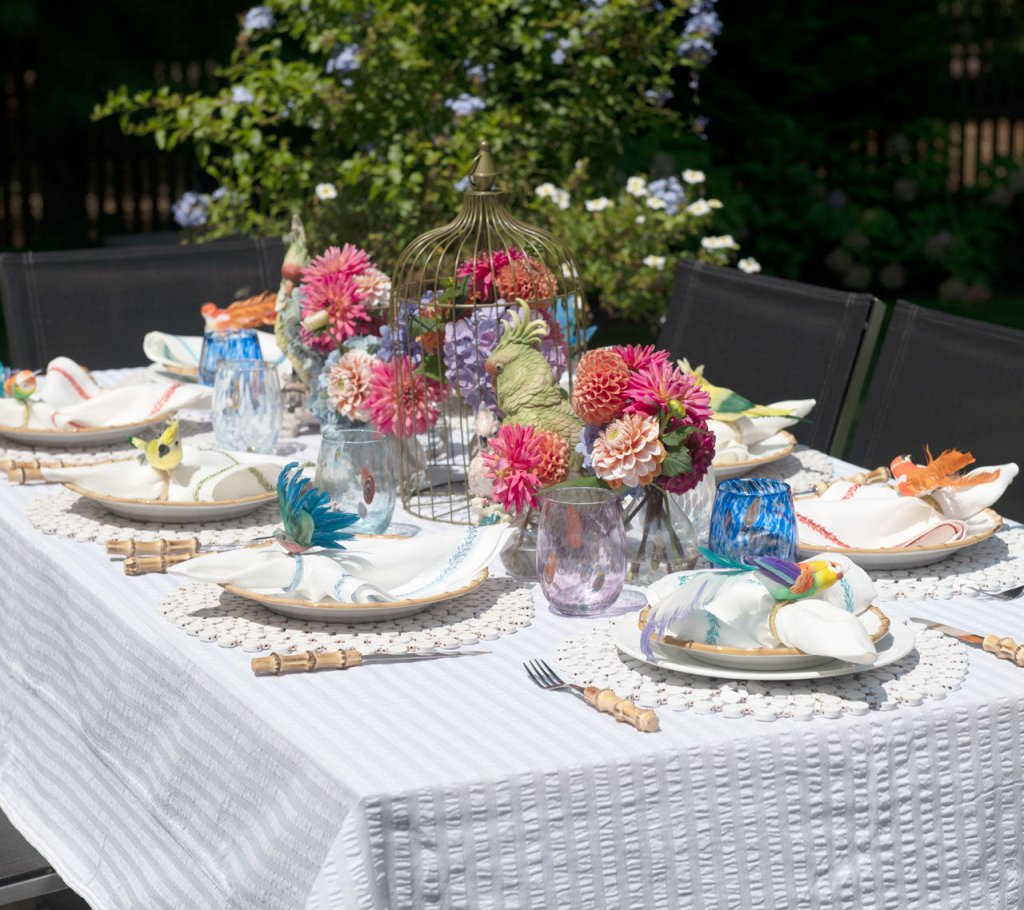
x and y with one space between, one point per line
554 457
629 451
526 279
598 394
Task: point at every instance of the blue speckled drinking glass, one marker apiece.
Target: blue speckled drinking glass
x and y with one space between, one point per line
230 344
356 468
752 517
247 406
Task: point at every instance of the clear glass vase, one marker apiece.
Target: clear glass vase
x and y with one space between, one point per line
660 538
520 554
698 503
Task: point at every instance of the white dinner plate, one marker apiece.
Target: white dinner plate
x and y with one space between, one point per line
87 436
898 643
774 448
979 528
177 512
332 611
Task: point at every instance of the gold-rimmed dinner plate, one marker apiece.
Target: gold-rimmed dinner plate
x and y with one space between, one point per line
176 512
772 449
85 436
896 644
332 611
979 527
178 370
875 623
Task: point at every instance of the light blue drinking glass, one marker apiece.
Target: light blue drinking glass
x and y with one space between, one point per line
356 468
229 344
753 516
246 406
581 549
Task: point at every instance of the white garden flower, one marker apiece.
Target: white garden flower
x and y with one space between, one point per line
715 203
749 265
546 191
561 198
699 208
655 262
599 204
691 176
325 192
636 186
655 202
724 242
640 219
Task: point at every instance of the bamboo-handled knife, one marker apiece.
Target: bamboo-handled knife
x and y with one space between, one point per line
312 661
1003 648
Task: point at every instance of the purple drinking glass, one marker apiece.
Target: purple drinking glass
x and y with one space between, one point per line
581 549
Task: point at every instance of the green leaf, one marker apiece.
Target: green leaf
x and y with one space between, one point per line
432 366
676 437
677 463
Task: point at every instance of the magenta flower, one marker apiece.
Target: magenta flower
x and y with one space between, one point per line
638 356
661 387
701 445
511 461
394 383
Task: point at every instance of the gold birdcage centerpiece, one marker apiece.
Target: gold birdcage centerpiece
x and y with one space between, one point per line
457 291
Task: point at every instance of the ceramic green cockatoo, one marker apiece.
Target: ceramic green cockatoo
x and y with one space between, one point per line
286 326
527 392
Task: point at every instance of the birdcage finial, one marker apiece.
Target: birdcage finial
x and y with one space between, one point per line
482 172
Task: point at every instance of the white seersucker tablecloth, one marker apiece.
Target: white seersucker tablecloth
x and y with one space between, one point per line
153 770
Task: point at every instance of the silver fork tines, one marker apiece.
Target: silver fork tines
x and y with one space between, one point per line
1010 593
546 678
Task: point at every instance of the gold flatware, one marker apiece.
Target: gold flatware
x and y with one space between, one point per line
1003 648
314 661
20 472
142 557
604 700
878 475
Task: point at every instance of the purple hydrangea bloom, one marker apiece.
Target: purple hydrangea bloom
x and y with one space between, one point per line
344 59
659 96
398 343
478 70
258 17
670 191
469 342
588 436
190 210
241 95
465 104
697 49
558 54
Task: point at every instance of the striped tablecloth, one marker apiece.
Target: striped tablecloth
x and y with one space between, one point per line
154 771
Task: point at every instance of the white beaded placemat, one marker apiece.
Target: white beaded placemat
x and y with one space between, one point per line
500 606
73 517
993 564
801 469
194 432
934 669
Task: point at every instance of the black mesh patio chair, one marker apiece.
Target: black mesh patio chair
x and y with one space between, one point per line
96 305
952 383
24 873
771 340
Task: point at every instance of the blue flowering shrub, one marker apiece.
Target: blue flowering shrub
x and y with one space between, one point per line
365 117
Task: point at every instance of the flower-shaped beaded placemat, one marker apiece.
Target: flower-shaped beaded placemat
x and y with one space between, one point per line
500 606
74 517
801 470
935 668
194 432
992 564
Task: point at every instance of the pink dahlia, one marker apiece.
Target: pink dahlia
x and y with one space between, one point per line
348 260
336 296
638 356
349 382
629 451
483 269
599 387
511 461
701 446
373 288
400 401
663 387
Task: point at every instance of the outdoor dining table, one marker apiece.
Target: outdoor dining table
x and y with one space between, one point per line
153 769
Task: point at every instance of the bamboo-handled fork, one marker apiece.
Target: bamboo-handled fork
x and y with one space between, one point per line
142 557
21 472
604 700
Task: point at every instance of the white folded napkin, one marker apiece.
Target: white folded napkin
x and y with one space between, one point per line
68 398
366 571
717 607
735 435
204 475
166 349
874 522
966 502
